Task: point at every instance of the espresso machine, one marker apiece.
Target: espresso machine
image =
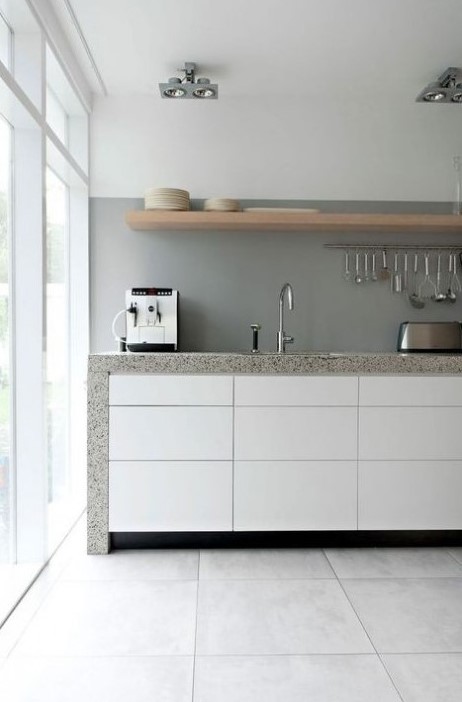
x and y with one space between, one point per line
151 320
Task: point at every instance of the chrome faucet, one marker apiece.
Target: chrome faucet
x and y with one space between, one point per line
282 337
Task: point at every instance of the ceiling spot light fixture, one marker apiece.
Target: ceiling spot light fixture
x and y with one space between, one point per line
448 88
189 86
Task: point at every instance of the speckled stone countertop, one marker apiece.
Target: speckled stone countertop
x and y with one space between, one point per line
306 363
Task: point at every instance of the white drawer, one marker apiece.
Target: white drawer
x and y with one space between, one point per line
410 433
174 496
286 496
170 433
295 433
410 495
295 390
170 389
410 390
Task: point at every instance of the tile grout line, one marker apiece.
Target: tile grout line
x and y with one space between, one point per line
367 634
453 557
195 630
301 654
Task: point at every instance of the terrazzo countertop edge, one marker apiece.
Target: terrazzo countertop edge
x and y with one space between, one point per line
269 363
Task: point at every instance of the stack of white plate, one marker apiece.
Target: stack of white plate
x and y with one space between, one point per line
222 204
166 199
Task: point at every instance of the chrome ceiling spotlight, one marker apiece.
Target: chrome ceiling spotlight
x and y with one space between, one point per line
448 88
189 86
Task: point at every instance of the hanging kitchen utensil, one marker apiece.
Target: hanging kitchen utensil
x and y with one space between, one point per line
384 273
367 275
455 286
427 288
440 296
405 272
358 277
374 276
347 273
396 278
414 298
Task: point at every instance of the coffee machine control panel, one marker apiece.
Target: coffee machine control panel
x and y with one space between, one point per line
162 292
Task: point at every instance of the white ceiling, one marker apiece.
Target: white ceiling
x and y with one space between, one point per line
322 49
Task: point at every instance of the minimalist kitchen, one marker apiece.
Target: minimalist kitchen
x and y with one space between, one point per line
230 351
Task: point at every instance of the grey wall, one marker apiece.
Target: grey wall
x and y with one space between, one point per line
228 280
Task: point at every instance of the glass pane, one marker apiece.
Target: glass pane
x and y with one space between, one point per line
57 116
57 358
5 42
65 113
6 493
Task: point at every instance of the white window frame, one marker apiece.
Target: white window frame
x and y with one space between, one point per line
35 144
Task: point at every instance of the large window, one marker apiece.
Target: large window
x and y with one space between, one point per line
6 478
43 297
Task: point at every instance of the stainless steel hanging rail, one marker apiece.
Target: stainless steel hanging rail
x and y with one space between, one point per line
395 247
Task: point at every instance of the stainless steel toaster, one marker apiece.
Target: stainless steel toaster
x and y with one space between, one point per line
430 337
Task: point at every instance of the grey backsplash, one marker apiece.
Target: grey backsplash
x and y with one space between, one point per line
229 280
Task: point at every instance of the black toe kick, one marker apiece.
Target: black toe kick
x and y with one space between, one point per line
284 539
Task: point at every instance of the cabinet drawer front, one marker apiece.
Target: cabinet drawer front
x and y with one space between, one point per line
410 495
410 433
170 390
286 496
174 496
170 433
296 390
410 391
295 433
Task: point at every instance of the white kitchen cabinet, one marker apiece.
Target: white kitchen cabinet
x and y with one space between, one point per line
170 496
410 433
170 433
287 390
402 391
136 389
295 433
280 453
410 495
292 496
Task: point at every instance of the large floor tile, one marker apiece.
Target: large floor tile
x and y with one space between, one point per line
114 618
135 565
292 679
229 564
410 616
277 616
97 679
393 563
427 677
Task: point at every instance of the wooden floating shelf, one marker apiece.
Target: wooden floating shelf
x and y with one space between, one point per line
150 220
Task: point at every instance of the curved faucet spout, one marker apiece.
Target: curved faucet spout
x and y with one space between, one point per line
282 338
290 295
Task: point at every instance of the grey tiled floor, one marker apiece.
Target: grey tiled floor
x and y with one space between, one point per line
239 626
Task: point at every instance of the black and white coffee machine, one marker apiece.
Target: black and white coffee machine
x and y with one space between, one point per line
151 320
